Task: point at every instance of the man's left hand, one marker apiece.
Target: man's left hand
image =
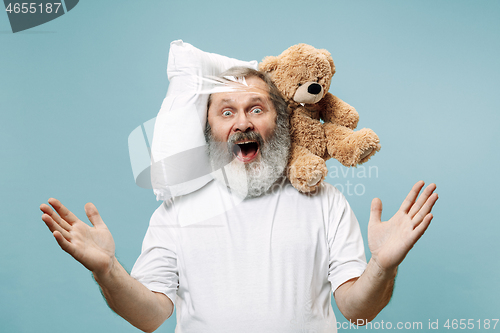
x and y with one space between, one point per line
391 241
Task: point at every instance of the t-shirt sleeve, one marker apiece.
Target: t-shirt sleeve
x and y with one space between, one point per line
347 254
156 267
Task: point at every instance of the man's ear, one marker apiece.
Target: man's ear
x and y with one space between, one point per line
269 64
329 57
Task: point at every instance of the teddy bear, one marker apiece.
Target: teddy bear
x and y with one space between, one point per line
321 124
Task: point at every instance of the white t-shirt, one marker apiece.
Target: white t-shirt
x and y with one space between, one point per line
266 264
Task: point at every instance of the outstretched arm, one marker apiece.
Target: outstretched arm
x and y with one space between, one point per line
94 248
361 299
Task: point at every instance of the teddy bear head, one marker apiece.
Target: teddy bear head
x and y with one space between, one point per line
302 73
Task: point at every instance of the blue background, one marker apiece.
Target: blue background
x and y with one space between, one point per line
423 75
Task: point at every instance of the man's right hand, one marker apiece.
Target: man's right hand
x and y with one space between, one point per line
93 246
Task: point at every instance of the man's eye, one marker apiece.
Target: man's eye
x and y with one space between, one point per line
257 110
227 113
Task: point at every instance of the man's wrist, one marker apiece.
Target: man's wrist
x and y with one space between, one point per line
381 272
108 274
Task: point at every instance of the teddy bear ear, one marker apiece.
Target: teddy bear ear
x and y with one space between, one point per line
330 59
269 64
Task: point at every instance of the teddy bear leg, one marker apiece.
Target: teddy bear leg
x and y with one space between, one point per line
308 133
349 147
305 170
366 155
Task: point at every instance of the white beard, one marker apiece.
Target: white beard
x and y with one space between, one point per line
255 178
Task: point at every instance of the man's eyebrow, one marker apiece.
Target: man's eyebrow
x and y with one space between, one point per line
226 100
257 99
253 99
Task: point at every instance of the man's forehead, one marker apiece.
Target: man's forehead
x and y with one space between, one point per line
247 97
253 90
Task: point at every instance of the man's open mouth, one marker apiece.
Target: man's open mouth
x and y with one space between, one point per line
246 150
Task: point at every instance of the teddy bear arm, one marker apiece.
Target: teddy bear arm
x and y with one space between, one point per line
335 110
350 147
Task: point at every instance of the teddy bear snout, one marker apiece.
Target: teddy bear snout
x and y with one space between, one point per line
309 93
314 89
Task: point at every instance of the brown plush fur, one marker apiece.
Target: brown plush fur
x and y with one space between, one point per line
303 75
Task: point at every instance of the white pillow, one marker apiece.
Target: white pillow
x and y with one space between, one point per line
179 163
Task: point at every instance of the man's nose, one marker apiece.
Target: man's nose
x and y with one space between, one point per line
243 123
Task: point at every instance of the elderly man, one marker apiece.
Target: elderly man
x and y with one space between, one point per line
270 263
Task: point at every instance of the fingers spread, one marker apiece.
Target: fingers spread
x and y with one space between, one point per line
422 199
54 226
63 242
93 215
421 228
63 212
425 210
47 210
411 197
